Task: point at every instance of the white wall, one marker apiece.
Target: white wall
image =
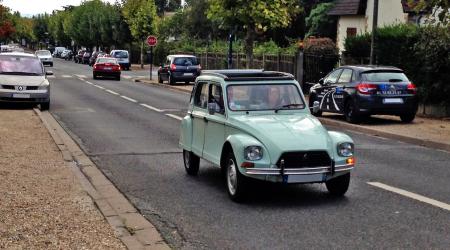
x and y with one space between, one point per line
358 22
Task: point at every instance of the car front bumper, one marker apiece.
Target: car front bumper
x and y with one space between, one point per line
35 96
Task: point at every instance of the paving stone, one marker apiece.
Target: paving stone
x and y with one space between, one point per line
136 221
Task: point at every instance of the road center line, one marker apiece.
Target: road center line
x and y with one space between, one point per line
112 92
175 117
151 107
98 86
411 195
89 82
128 98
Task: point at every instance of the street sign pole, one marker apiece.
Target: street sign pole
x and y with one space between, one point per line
151 63
151 41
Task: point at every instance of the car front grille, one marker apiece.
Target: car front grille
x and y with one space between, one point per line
8 86
305 159
25 87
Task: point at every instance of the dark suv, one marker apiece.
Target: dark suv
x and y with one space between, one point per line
361 91
179 68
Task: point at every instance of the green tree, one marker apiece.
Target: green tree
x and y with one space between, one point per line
319 23
7 29
56 28
40 29
142 18
439 7
254 16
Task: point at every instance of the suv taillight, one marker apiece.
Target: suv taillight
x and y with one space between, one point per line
411 88
173 67
366 88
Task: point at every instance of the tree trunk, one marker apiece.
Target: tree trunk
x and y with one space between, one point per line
248 46
142 55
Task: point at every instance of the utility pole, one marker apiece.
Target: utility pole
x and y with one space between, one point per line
374 29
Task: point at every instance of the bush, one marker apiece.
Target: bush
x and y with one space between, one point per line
322 46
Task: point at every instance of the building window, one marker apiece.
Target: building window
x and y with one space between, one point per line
351 32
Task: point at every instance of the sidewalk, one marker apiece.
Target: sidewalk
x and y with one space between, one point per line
434 133
42 204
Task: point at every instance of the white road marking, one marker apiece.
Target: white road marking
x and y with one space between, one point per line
128 98
151 107
98 86
66 76
51 76
414 196
127 77
112 92
175 117
80 76
89 82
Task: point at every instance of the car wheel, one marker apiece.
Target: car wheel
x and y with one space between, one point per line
160 79
338 186
191 162
171 80
312 99
45 106
235 181
350 112
407 118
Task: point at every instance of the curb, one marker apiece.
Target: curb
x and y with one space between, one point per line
128 224
375 132
161 85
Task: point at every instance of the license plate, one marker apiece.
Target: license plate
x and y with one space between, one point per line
21 96
108 68
392 100
391 92
188 74
305 178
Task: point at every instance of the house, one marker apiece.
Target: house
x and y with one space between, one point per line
355 17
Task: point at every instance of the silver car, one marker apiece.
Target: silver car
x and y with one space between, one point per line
45 56
23 79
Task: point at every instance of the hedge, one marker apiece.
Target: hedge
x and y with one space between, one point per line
422 52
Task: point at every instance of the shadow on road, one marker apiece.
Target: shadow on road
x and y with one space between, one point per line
371 120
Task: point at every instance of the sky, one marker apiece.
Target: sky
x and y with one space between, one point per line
32 7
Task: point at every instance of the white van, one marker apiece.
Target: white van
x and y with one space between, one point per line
123 57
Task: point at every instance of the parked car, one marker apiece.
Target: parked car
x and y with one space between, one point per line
68 56
79 56
58 50
106 67
94 57
23 79
361 91
179 68
45 56
123 57
65 53
86 57
255 124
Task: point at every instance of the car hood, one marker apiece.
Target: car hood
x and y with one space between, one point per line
21 80
285 132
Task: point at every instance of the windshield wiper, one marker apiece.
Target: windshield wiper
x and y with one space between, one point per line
288 106
20 73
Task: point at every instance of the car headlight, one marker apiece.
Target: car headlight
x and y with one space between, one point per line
345 149
253 153
44 85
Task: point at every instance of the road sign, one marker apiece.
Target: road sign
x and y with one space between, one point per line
152 41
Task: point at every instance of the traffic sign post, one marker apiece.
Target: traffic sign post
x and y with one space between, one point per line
151 41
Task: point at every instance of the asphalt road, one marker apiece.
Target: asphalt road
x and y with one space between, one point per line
126 129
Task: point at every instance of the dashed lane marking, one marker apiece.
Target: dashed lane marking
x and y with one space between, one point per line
112 92
411 195
89 82
128 98
81 76
127 77
175 117
66 76
51 76
151 107
98 86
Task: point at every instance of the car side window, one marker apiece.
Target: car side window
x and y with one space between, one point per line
332 77
216 96
201 95
346 76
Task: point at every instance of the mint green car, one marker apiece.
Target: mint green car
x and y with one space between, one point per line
256 124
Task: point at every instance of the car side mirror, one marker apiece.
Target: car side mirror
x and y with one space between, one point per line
321 81
48 73
212 108
315 108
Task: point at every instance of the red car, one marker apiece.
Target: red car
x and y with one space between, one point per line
106 67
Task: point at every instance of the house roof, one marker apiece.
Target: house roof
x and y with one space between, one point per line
348 7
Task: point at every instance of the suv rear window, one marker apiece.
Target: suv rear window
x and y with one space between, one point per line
120 54
384 76
185 61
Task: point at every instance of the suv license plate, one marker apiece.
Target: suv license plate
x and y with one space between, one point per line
188 74
21 96
393 101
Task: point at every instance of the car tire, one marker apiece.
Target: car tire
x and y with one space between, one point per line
45 106
312 99
349 112
407 118
236 183
171 80
338 186
191 162
160 79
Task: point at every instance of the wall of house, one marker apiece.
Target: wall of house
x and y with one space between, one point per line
358 22
389 12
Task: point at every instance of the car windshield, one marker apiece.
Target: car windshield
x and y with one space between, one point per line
120 54
384 76
18 65
106 60
264 97
43 53
185 61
